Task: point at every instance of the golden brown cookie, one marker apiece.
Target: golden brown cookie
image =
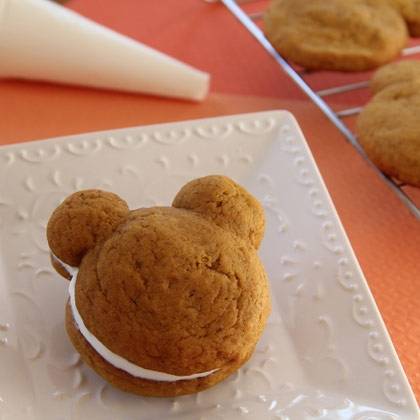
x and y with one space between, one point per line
175 290
341 35
389 130
403 71
217 196
81 220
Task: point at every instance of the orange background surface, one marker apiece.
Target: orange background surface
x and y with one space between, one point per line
385 237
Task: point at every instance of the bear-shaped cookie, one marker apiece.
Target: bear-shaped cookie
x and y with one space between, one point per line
164 301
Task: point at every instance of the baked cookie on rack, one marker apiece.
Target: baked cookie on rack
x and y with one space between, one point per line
164 301
403 71
388 128
341 35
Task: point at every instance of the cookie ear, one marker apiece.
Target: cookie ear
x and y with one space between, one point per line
226 203
81 221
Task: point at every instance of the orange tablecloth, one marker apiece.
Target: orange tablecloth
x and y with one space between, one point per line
385 237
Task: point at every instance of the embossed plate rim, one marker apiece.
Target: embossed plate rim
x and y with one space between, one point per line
79 143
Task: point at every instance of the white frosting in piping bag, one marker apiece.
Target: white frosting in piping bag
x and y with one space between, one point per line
112 358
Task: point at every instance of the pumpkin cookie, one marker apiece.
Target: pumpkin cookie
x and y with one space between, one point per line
403 71
336 34
164 301
389 130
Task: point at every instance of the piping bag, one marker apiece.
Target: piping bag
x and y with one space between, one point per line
41 40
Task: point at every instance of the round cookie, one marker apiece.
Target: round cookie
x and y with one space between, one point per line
217 196
173 290
389 130
81 220
336 34
403 71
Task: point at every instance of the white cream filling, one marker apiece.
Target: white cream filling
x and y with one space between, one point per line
112 358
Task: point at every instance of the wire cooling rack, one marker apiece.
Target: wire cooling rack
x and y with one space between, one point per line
317 96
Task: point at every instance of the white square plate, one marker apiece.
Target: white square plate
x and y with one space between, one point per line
325 353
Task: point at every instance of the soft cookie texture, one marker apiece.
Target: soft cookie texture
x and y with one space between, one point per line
81 221
346 35
389 130
403 71
178 289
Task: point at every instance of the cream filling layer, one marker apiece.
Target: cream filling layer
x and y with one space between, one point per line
112 358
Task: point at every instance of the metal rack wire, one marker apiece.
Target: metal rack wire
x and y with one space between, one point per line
336 117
